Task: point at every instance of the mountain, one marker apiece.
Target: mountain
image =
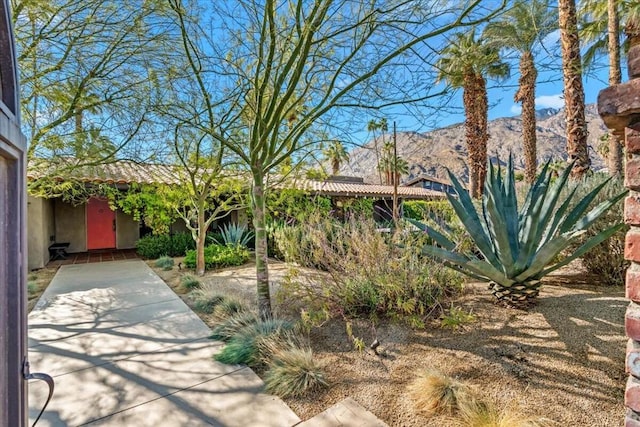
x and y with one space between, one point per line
432 152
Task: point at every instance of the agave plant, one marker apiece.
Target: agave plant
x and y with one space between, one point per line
235 235
519 247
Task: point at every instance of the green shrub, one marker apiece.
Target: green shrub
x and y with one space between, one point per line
164 262
421 210
180 244
189 282
293 372
216 256
245 345
607 259
174 245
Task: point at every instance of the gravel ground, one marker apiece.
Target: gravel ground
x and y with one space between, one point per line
563 360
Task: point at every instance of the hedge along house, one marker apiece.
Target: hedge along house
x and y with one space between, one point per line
91 224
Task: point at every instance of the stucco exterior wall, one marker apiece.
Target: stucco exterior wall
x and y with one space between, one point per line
71 226
40 231
127 231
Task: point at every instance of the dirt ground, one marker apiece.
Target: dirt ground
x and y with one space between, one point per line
37 282
562 360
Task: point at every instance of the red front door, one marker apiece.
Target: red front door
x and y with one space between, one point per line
101 225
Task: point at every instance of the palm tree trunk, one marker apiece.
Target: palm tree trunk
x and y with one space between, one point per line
615 77
476 106
262 266
527 96
573 90
483 138
472 131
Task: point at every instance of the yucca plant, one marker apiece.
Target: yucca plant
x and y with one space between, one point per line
520 246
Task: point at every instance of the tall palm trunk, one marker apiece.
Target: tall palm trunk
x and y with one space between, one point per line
475 104
573 90
527 96
615 77
262 266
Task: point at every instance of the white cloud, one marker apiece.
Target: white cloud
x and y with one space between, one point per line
516 109
550 101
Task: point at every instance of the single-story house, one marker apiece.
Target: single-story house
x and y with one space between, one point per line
431 183
93 225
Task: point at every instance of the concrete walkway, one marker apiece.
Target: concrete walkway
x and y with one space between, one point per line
124 350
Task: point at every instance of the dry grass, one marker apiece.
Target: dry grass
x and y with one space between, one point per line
436 393
479 413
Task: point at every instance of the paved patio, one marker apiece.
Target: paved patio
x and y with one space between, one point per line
124 350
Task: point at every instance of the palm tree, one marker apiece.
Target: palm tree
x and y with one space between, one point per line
373 126
600 28
464 63
573 89
336 154
392 168
520 29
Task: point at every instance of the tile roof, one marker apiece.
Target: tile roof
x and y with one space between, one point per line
118 172
351 189
125 172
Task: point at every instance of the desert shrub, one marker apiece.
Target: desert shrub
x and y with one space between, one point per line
292 371
216 256
434 393
155 246
607 259
164 262
189 282
245 345
370 273
456 318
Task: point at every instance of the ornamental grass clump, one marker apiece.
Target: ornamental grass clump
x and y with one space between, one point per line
434 393
518 247
480 413
245 345
292 370
189 282
165 263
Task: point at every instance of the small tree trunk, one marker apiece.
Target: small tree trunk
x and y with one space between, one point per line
527 96
200 243
262 265
573 89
